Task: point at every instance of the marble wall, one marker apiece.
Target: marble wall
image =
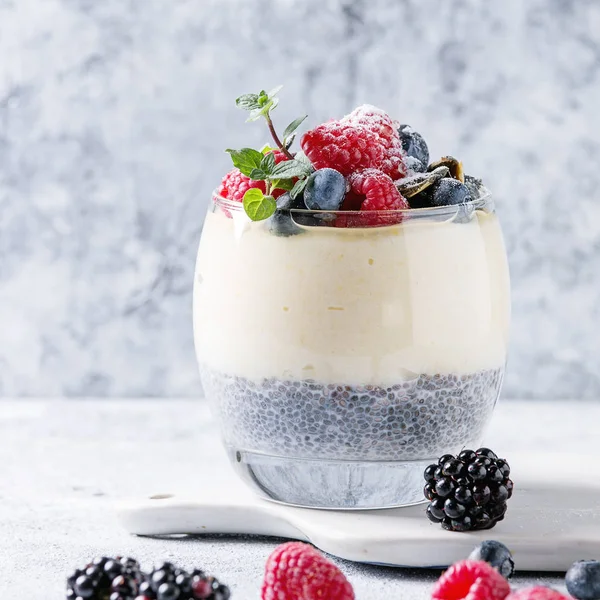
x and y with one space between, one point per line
113 116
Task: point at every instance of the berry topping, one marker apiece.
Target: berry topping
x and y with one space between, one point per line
583 580
537 593
449 192
297 571
235 184
415 147
471 580
497 555
325 190
468 492
351 164
343 147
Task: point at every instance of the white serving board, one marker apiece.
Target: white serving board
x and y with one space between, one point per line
553 519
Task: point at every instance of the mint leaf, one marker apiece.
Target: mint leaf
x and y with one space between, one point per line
258 175
298 188
291 168
266 149
272 93
293 126
247 102
300 156
282 184
258 206
267 164
246 159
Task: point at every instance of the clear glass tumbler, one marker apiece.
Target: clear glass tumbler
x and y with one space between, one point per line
341 358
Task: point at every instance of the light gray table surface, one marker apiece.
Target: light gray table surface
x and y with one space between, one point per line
64 465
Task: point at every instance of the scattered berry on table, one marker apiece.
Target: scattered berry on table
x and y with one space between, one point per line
583 580
471 580
325 190
415 147
297 571
468 492
281 223
448 192
122 579
537 593
497 555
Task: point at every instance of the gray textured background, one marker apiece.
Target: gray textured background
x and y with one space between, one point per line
114 114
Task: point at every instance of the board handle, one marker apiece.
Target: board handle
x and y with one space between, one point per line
170 514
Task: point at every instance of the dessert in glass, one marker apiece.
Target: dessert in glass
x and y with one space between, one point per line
351 325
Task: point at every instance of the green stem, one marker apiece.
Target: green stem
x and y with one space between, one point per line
276 138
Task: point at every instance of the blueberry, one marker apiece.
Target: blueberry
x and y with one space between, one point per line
448 192
325 190
583 580
414 144
281 222
415 165
497 555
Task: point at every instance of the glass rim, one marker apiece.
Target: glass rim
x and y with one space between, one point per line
483 202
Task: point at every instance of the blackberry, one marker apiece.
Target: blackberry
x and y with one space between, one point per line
112 578
169 583
469 491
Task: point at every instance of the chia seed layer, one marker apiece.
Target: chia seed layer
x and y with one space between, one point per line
421 418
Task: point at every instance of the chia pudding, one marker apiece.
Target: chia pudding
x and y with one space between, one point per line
358 332
427 416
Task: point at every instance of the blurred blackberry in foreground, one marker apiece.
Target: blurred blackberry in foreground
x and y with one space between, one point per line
105 578
122 579
469 491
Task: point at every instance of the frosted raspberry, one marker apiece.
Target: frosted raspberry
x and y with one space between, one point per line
235 184
297 571
472 580
342 146
537 593
378 189
379 123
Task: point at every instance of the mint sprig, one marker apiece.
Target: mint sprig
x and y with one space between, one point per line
290 175
258 206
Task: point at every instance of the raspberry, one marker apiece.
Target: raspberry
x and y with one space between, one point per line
380 124
379 190
342 146
471 580
537 592
371 190
235 184
297 571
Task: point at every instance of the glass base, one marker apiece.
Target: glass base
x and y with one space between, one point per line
332 484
